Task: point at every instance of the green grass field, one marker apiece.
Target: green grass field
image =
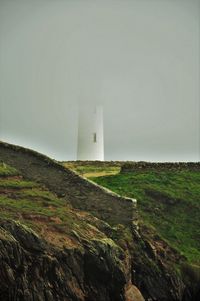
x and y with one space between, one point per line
168 200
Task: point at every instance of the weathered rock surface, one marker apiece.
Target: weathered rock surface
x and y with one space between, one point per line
133 294
31 269
98 270
153 268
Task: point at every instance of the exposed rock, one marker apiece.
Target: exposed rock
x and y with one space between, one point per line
153 271
133 294
34 270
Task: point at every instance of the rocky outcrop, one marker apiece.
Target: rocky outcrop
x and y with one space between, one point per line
95 270
31 269
133 294
153 267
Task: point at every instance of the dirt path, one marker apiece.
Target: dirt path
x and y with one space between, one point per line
81 193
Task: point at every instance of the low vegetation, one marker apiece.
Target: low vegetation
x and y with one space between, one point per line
93 169
169 200
36 207
6 170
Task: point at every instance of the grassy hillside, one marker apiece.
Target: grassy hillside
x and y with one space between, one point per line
169 200
35 206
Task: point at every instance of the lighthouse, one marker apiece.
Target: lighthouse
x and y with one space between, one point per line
90 133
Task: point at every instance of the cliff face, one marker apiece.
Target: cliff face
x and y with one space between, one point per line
53 251
96 270
31 269
154 261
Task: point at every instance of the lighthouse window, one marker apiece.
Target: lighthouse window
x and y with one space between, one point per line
94 137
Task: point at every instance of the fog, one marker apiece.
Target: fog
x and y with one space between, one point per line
139 59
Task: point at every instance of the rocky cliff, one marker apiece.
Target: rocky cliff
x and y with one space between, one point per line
32 269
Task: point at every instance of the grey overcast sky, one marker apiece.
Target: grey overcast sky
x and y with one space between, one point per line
138 58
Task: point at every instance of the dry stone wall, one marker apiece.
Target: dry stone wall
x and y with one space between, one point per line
131 166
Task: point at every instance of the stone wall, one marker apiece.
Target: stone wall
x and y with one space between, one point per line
131 166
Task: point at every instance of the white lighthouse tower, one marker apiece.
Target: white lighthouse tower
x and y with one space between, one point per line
90 133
